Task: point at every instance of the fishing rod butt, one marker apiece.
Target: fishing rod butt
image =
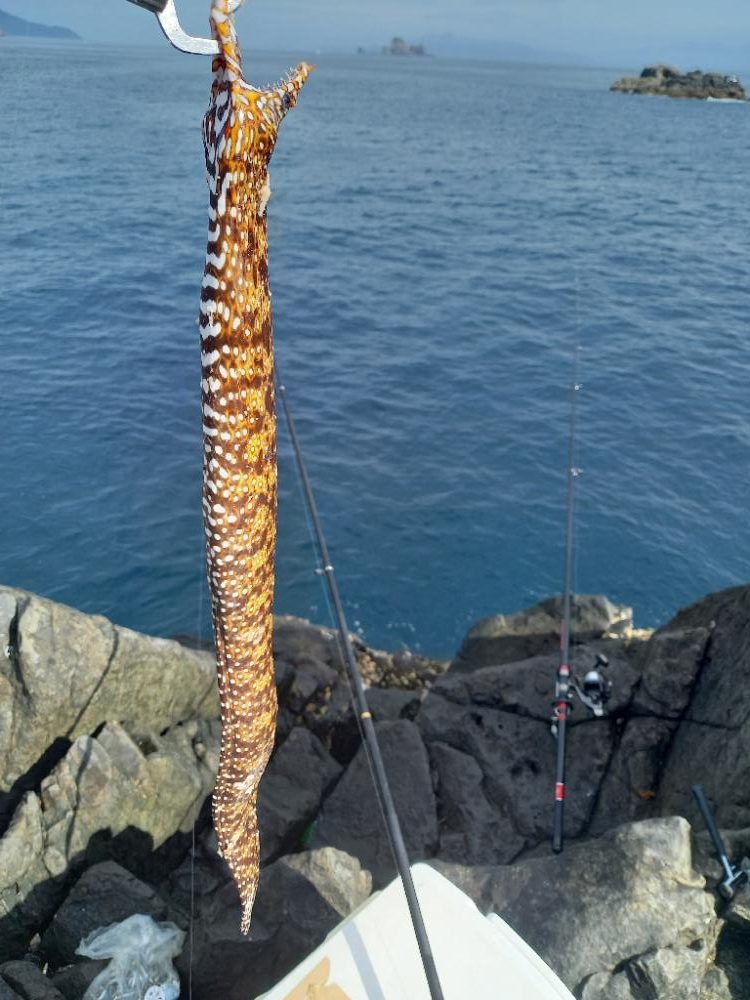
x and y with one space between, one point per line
557 829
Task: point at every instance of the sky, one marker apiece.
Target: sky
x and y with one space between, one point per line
599 32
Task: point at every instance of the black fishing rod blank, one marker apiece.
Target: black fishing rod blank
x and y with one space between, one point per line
371 743
563 688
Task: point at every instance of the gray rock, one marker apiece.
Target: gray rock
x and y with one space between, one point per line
109 783
28 981
27 897
64 673
143 787
712 743
536 630
606 906
675 973
300 773
715 985
350 819
105 894
603 986
339 878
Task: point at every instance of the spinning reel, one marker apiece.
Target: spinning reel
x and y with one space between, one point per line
594 692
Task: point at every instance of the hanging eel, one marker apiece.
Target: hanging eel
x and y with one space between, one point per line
239 437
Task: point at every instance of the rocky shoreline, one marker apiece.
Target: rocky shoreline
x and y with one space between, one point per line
667 81
109 745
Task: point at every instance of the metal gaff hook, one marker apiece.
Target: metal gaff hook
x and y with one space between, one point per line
166 15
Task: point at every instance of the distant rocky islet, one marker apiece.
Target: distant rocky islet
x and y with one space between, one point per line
398 47
668 81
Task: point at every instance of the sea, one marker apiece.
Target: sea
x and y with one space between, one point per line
447 238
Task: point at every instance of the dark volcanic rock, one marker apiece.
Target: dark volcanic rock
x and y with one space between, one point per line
6 993
733 958
28 981
74 980
670 82
628 903
300 773
669 665
106 894
712 745
388 704
497 718
313 685
350 819
473 830
509 638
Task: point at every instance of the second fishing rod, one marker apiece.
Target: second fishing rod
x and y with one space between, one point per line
367 728
595 690
563 703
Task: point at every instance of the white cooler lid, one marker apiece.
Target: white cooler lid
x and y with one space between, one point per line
373 954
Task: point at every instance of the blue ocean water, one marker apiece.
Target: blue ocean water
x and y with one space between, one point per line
442 235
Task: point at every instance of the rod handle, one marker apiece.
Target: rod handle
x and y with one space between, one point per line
708 818
557 828
558 825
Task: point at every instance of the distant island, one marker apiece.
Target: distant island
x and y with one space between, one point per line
671 82
10 25
398 47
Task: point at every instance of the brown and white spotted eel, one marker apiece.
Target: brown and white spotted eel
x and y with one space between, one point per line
239 437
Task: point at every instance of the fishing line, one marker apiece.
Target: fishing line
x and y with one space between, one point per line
191 929
367 728
576 377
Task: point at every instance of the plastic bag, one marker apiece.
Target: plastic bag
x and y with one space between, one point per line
141 968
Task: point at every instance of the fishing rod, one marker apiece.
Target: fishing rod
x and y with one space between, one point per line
369 733
595 690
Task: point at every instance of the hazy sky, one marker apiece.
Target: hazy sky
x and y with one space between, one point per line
599 30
